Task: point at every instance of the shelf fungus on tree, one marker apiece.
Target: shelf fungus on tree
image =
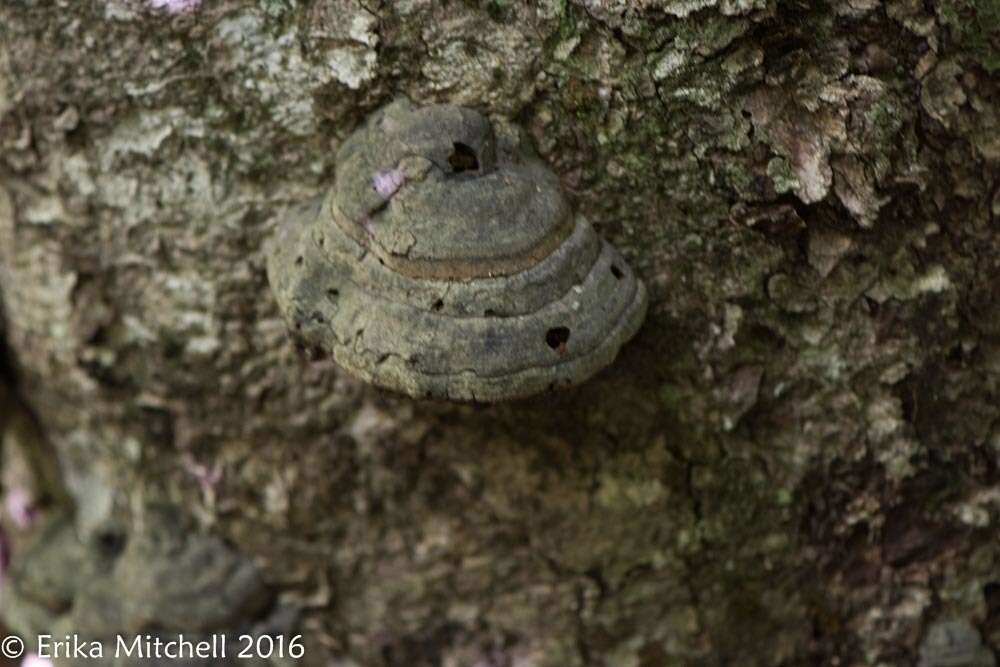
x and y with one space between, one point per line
161 578
446 262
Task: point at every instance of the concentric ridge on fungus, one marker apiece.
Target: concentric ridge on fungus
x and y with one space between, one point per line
446 262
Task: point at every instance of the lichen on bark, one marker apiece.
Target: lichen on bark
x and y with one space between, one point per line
801 443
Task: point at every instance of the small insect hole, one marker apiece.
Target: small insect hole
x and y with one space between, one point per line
556 338
333 293
463 158
322 241
299 260
489 312
438 305
616 272
109 543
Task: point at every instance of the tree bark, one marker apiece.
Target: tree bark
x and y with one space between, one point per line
796 460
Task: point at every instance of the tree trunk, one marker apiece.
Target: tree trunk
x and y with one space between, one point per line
795 461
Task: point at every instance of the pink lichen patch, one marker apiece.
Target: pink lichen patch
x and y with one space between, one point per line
207 477
386 183
20 505
174 6
4 555
33 660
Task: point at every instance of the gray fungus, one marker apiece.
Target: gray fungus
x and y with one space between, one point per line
446 262
954 643
162 578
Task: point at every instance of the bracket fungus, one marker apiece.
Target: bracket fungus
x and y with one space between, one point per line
446 262
160 578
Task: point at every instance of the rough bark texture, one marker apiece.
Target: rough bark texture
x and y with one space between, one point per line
794 463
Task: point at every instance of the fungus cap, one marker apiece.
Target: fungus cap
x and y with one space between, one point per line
446 262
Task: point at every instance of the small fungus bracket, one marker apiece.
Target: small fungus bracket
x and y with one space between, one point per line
446 262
